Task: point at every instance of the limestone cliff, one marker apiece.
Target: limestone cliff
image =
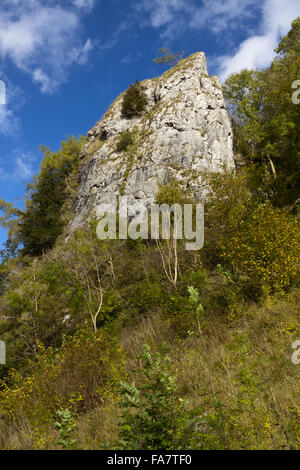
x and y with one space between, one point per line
184 133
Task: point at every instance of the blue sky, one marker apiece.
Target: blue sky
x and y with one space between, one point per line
63 62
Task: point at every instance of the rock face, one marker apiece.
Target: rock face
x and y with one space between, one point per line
185 133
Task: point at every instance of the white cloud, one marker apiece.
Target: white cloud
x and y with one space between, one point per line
85 4
163 12
131 57
46 84
223 17
258 51
178 15
220 15
81 55
9 124
43 38
22 168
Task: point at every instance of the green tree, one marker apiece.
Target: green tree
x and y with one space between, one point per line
9 221
41 222
266 122
168 57
264 249
290 44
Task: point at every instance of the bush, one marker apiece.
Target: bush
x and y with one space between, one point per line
153 416
82 373
229 204
125 140
66 425
172 193
145 295
39 297
134 101
180 316
265 249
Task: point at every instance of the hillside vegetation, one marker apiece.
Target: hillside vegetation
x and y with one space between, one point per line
141 345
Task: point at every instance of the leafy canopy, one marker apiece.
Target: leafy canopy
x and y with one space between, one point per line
41 222
266 121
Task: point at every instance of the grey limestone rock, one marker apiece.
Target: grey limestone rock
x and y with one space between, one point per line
185 133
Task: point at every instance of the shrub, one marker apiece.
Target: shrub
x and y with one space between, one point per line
172 193
196 277
181 316
79 375
38 297
125 140
134 101
66 425
229 204
265 249
153 416
146 295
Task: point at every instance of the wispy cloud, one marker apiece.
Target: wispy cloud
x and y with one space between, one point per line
173 16
131 57
43 38
24 168
85 4
21 167
163 12
258 51
9 124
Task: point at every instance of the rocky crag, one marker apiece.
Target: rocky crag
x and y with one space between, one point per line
184 133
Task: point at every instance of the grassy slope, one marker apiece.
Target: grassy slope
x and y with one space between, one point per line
245 363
